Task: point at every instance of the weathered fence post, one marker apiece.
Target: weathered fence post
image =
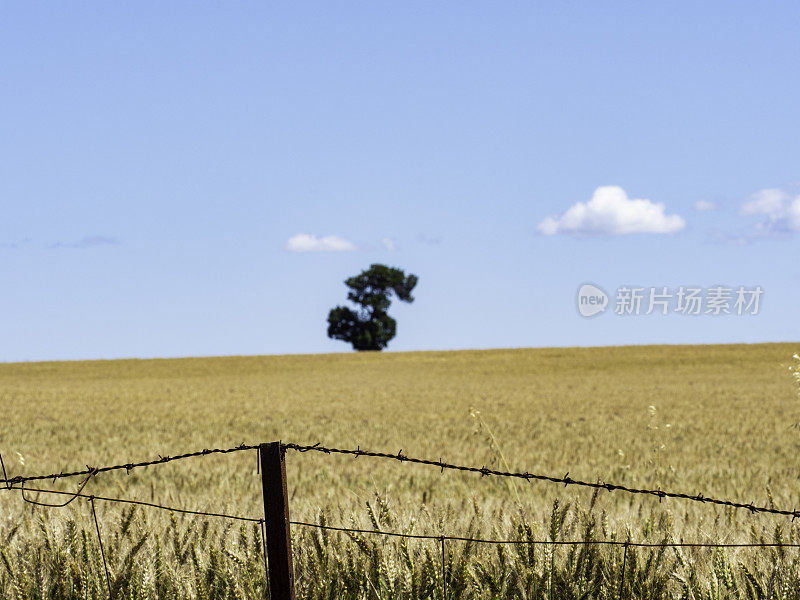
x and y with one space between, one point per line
276 521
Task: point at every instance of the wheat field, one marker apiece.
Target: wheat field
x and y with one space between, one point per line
720 420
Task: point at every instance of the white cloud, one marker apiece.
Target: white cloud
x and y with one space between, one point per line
389 244
611 212
307 242
704 205
780 209
765 202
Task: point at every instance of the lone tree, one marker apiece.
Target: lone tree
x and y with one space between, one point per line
369 327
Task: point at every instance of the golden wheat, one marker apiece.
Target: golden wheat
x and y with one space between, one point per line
716 419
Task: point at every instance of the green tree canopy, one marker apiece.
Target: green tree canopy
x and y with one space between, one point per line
368 327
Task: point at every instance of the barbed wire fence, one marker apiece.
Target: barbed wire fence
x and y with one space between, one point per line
275 524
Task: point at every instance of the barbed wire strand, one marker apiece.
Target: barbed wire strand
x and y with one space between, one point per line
102 551
128 467
566 479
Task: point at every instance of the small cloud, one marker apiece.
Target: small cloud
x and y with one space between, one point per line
89 241
307 242
765 202
389 244
780 211
429 239
704 205
611 212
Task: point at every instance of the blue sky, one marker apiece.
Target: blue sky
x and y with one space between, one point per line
159 160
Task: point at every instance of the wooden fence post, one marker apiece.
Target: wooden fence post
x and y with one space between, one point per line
276 521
